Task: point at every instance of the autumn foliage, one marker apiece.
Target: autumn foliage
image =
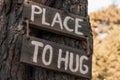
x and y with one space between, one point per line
106 31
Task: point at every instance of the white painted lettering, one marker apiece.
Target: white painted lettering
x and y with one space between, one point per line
43 18
37 44
71 64
57 19
77 26
47 47
66 22
82 58
60 59
34 7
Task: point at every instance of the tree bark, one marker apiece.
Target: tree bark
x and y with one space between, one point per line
11 34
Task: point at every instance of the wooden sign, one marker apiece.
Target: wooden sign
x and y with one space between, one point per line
56 21
56 57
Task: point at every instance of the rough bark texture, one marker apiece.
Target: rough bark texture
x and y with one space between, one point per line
11 34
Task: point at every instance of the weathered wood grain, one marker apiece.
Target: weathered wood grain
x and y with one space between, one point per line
28 55
50 13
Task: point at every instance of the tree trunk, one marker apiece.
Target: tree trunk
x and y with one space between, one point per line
11 34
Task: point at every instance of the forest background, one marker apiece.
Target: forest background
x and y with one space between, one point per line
105 22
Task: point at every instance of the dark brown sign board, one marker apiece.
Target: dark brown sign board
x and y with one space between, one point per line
56 57
56 21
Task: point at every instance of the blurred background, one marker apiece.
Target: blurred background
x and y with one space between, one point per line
105 22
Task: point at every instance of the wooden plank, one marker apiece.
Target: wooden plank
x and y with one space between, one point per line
56 21
56 57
